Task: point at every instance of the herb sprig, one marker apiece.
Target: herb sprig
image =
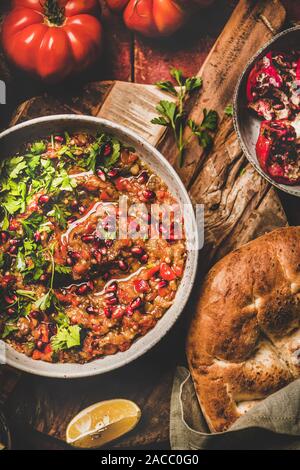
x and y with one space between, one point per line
204 131
173 114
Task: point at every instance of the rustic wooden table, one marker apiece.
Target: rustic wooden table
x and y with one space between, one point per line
131 58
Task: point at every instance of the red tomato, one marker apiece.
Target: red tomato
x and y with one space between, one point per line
52 38
166 272
151 17
156 18
117 5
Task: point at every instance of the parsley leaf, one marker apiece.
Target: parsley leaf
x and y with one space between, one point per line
37 148
67 337
32 223
229 110
60 269
204 131
167 86
18 168
115 155
60 214
45 302
172 114
26 293
8 329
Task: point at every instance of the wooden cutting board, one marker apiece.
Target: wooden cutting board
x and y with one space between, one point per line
239 206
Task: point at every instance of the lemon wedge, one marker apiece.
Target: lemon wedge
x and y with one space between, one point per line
102 423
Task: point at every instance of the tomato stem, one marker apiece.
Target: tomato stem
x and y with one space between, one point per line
54 12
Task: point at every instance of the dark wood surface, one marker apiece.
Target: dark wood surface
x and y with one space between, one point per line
149 382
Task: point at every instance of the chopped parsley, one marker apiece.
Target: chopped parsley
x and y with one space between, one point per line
67 337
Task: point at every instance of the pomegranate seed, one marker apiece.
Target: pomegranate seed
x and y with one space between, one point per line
98 256
10 311
103 251
137 251
161 228
123 265
113 301
15 242
113 173
81 210
13 226
58 138
162 284
74 204
91 310
8 279
141 285
44 199
136 303
107 150
44 277
90 285
144 259
118 312
4 237
35 314
74 255
101 175
40 344
108 243
106 276
113 287
88 238
107 312
110 295
129 310
37 237
69 261
83 289
10 299
13 250
143 177
148 194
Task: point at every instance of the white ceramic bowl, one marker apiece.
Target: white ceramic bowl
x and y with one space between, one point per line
10 141
247 125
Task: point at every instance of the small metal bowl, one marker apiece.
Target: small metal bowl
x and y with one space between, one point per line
247 125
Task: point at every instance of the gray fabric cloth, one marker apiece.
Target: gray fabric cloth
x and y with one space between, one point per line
273 423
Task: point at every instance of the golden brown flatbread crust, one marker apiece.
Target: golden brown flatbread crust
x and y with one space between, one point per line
244 340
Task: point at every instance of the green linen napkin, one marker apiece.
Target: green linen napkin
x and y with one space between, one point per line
273 423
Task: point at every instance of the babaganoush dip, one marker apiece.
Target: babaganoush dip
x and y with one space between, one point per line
71 288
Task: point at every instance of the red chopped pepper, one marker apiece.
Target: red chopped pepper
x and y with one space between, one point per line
152 271
166 272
